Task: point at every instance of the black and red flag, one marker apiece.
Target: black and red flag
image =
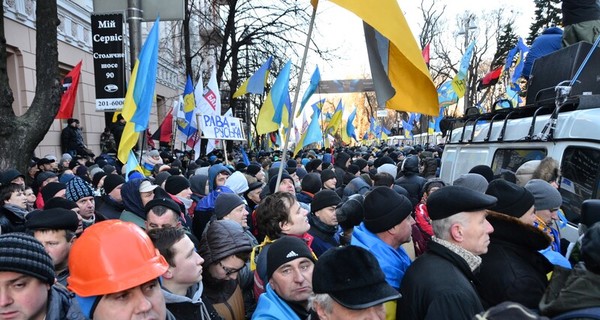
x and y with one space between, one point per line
490 79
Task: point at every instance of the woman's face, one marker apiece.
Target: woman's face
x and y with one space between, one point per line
18 199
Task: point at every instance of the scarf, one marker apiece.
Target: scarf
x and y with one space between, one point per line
472 260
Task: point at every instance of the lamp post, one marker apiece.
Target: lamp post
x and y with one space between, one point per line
465 31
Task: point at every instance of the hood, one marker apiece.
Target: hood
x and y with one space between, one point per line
213 172
553 30
221 239
511 230
237 182
132 200
410 165
198 183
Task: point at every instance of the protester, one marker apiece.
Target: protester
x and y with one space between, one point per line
82 194
14 208
110 203
323 222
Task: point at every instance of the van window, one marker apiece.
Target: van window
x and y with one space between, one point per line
511 159
580 169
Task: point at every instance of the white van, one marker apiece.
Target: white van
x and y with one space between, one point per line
508 138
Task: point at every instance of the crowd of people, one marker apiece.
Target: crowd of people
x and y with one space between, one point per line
346 233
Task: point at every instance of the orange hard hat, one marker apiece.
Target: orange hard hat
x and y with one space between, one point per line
112 256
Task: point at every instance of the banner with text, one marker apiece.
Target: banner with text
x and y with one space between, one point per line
109 61
221 127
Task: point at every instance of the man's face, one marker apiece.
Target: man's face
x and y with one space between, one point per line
221 178
86 207
403 230
254 195
529 217
22 297
287 185
146 197
116 193
339 312
56 244
168 219
185 193
145 301
297 223
476 232
330 184
293 280
327 216
260 176
18 199
188 263
227 269
547 215
239 215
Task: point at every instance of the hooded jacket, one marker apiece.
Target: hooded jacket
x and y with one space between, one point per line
570 290
411 181
212 174
132 200
271 306
513 269
190 306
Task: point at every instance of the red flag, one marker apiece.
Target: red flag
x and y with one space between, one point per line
69 84
490 79
165 130
425 54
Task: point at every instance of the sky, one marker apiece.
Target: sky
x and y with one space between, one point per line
339 28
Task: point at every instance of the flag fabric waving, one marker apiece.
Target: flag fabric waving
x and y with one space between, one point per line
67 101
273 107
256 83
165 130
336 119
458 83
350 129
312 134
426 55
398 70
312 87
490 79
140 94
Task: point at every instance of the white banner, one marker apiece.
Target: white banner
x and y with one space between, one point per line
221 127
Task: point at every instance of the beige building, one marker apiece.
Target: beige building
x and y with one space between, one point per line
75 44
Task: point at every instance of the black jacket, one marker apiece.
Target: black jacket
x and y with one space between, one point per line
10 221
71 139
108 207
438 285
513 269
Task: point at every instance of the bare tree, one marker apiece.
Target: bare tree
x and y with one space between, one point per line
20 135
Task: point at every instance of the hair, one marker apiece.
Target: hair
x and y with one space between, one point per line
272 211
383 179
159 210
441 228
164 239
434 183
69 235
7 190
322 299
243 255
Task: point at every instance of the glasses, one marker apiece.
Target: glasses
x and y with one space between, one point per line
230 271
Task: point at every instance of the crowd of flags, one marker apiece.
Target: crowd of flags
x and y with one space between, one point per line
393 54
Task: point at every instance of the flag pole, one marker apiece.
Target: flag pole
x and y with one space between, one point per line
293 112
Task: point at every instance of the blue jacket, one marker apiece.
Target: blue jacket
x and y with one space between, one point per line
393 262
271 306
549 41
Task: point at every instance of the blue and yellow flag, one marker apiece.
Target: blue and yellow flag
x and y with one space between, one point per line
273 111
140 94
312 134
256 83
312 87
336 119
350 129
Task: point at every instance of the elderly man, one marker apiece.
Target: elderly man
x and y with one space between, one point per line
290 266
341 279
55 230
112 281
439 285
27 289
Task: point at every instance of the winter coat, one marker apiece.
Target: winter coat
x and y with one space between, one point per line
549 41
305 197
226 297
393 261
411 181
191 306
11 221
513 269
571 290
108 207
324 236
71 139
62 304
438 286
576 11
271 306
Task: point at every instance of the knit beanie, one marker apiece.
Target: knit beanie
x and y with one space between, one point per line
161 177
311 183
51 189
546 196
313 165
353 169
109 169
327 175
253 169
112 181
473 181
361 163
525 171
273 181
323 199
22 253
284 250
384 209
225 203
97 177
176 184
483 170
59 203
301 173
513 200
388 168
77 189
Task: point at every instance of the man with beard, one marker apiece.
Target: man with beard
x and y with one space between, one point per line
181 283
226 277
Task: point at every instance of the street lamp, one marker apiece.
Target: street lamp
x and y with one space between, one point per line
468 24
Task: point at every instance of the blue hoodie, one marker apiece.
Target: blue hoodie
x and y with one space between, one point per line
549 41
213 172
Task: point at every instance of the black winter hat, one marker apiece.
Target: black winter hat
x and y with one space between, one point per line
513 200
22 253
51 189
162 202
313 165
311 183
176 184
253 169
59 203
10 175
97 177
385 208
284 250
351 212
590 247
323 199
327 174
112 181
353 169
273 181
361 163
341 158
451 200
353 277
483 170
225 203
52 219
240 166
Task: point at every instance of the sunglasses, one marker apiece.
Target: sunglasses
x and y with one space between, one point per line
230 271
